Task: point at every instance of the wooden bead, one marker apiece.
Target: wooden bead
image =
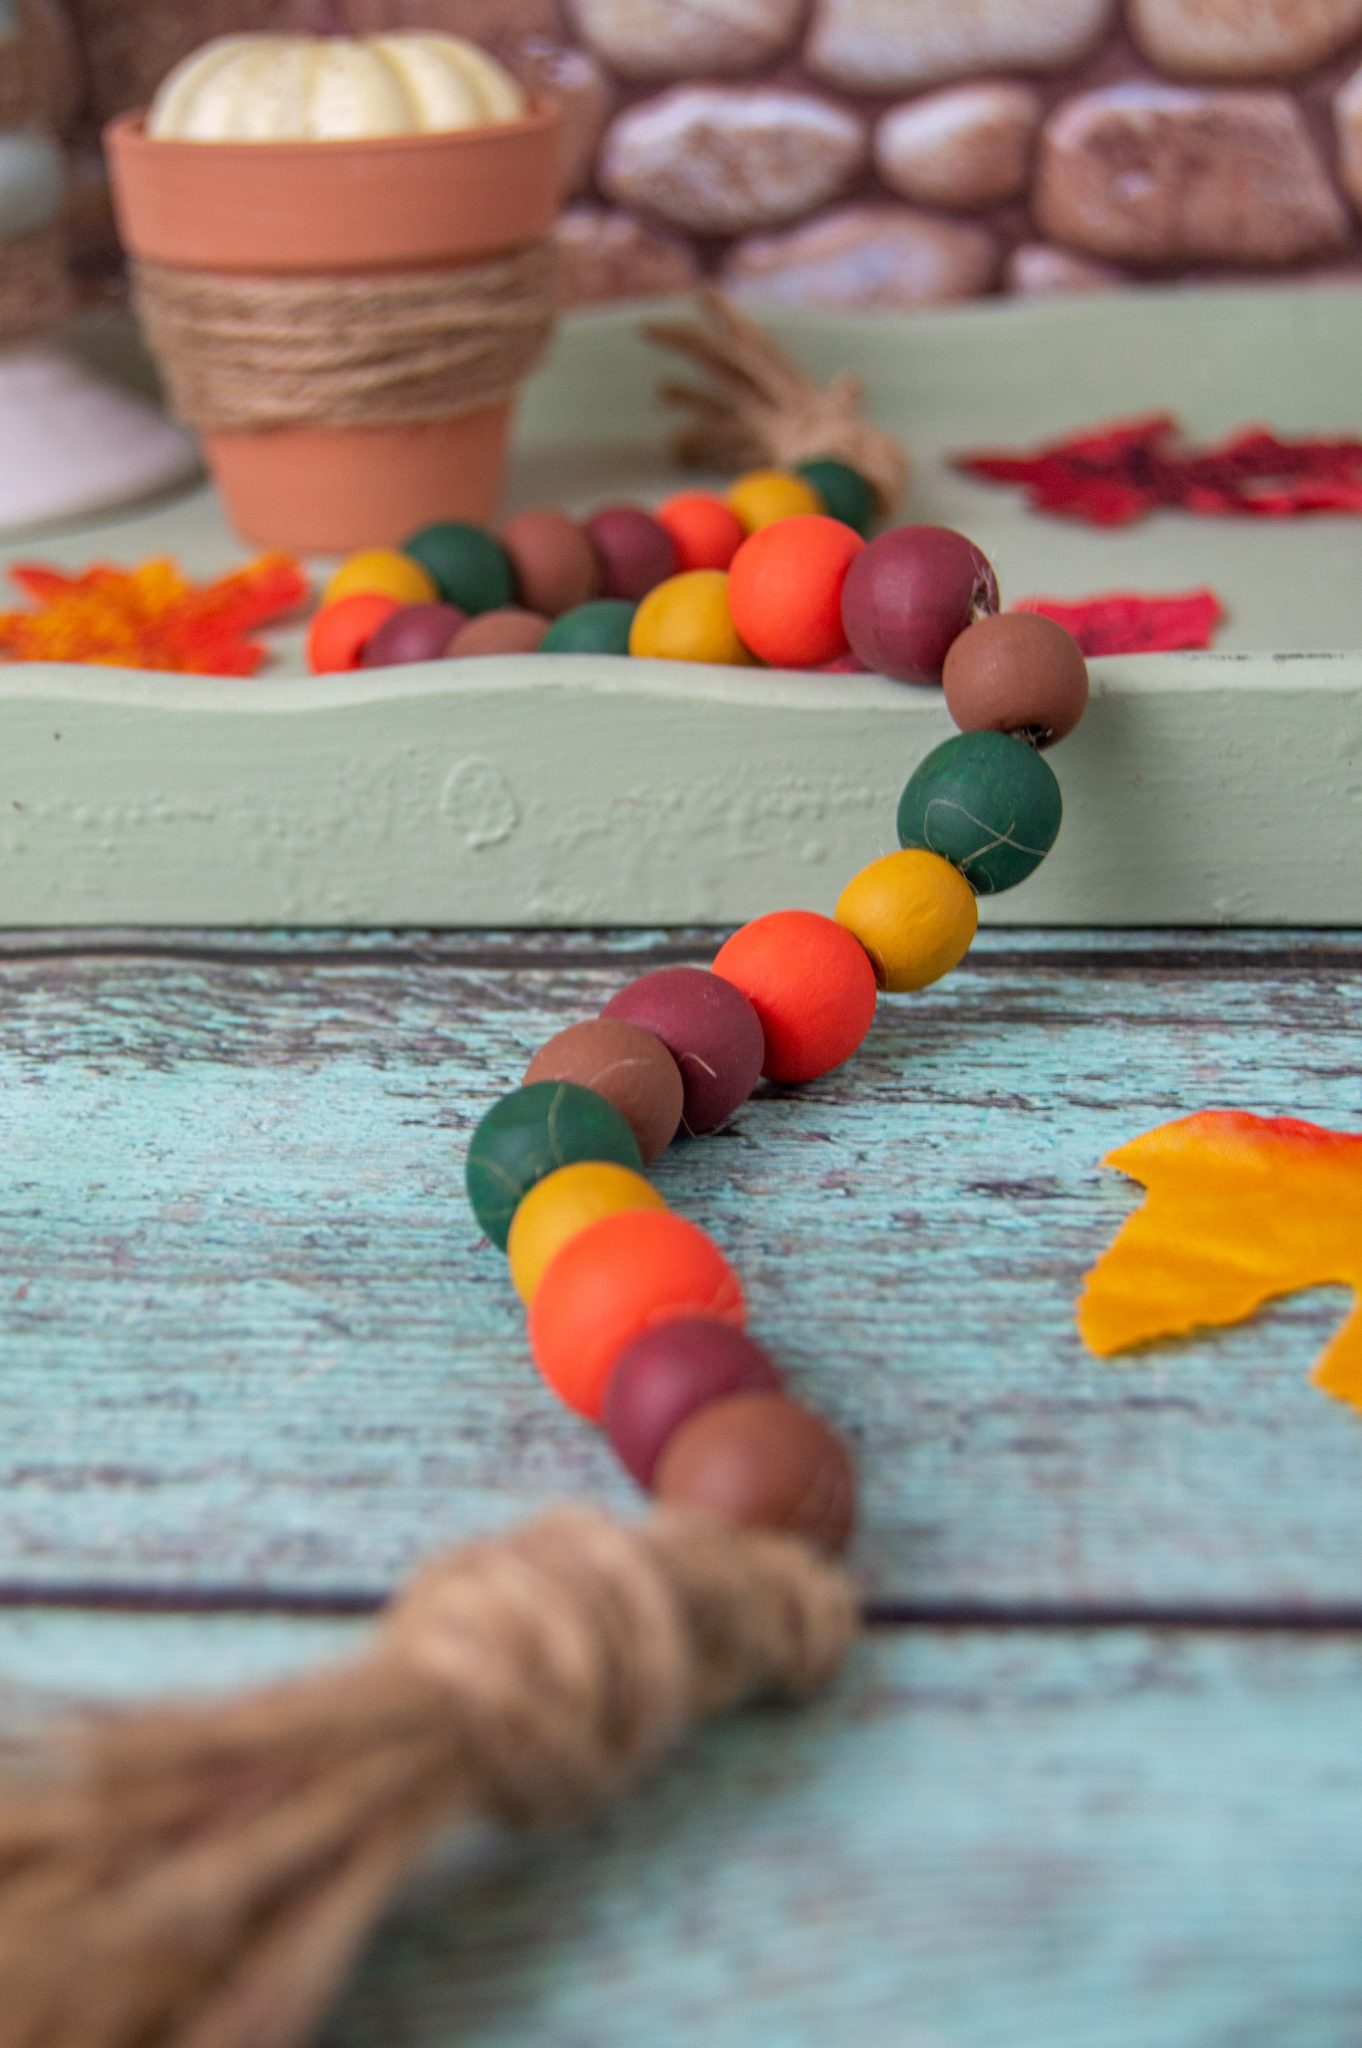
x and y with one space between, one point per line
531 1132
687 619
418 632
563 1204
811 985
628 1066
610 1283
340 632
470 568
988 804
915 915
762 1461
705 532
711 1031
761 496
785 590
510 631
600 627
910 594
634 554
1016 673
667 1374
382 572
845 493
553 561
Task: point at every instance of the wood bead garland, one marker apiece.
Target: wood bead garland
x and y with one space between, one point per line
635 1316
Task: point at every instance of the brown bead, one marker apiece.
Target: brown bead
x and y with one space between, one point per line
509 631
554 562
766 1463
1016 673
628 1066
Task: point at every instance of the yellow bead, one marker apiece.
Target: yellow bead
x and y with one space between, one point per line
563 1203
761 496
687 619
382 572
915 915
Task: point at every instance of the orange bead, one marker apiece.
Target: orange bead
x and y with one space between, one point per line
811 984
785 590
340 632
613 1281
705 532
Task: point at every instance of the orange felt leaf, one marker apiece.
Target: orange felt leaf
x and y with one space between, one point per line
1240 1209
151 617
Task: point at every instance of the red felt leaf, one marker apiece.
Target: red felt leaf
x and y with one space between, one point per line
1115 474
1134 622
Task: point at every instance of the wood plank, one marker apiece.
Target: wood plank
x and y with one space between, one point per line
981 1840
250 1338
1216 789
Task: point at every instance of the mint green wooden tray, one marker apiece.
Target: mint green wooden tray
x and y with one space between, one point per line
1223 788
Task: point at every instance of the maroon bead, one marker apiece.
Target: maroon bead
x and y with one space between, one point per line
635 553
419 632
909 596
664 1376
711 1031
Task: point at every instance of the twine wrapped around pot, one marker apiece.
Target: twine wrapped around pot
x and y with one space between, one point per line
201 1877
35 294
245 354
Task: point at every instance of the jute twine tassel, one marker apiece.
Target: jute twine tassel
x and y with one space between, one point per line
201 1877
759 406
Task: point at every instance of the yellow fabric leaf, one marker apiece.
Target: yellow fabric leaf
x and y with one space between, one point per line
1240 1209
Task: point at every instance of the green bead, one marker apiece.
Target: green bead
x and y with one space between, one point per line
601 627
531 1132
986 802
470 568
844 491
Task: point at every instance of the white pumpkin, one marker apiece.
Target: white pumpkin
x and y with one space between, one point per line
331 88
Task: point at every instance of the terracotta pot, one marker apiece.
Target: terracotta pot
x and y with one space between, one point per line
406 202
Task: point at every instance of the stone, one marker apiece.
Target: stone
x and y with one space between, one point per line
687 38
1241 39
1037 270
863 257
603 254
966 148
1348 119
722 161
1156 174
888 45
582 91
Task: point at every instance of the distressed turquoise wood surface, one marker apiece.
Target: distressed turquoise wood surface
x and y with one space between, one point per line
983 1839
251 1343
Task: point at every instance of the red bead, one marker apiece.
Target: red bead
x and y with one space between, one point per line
705 532
811 984
785 590
664 1376
613 1281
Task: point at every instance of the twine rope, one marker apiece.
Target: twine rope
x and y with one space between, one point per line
244 354
35 295
202 1877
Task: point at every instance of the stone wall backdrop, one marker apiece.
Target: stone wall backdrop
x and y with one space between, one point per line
886 153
